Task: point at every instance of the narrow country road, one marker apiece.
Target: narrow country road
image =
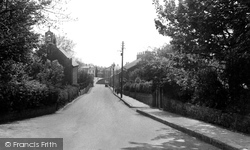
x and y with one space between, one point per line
98 120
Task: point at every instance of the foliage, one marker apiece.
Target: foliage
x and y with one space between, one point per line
84 79
16 72
27 81
225 119
17 37
141 87
26 95
67 94
132 75
209 90
17 97
216 31
210 28
65 44
55 13
52 73
184 77
137 80
17 19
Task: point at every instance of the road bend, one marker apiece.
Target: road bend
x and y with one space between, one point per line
98 120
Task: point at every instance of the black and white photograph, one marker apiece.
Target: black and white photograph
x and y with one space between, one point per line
124 75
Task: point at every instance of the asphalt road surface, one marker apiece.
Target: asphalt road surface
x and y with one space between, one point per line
98 120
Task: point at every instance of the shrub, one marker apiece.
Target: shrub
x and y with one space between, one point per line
84 79
145 87
172 90
137 87
67 94
137 80
52 73
209 90
226 119
126 86
26 95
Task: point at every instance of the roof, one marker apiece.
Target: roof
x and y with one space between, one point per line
85 67
65 53
88 67
74 63
92 68
132 64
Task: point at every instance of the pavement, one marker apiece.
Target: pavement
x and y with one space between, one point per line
214 135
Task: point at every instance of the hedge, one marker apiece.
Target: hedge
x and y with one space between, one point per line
228 120
26 95
145 87
17 97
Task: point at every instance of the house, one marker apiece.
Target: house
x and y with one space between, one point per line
128 67
132 65
54 53
85 68
91 70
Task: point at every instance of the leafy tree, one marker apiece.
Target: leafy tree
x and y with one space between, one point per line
51 73
65 44
208 28
214 30
84 79
20 68
17 38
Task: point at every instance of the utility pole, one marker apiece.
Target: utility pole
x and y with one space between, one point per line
110 76
113 76
122 68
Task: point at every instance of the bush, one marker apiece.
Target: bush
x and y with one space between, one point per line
51 73
173 91
126 86
145 87
225 119
26 95
33 95
137 80
67 94
209 90
84 79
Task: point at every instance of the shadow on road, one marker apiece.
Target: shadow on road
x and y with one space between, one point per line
170 141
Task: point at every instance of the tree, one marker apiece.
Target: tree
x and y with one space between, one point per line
209 28
65 44
84 79
16 21
52 73
214 30
17 38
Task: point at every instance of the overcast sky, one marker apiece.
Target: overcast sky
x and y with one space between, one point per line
103 24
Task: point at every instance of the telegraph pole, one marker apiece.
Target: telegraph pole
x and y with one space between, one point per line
122 53
113 76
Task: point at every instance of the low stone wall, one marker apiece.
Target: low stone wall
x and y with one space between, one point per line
142 97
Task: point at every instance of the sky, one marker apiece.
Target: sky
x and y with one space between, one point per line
102 25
